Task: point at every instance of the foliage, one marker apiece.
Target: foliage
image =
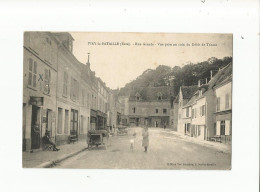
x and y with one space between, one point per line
187 75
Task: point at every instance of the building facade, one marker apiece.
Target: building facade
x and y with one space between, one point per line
182 118
150 106
223 111
207 114
60 94
39 87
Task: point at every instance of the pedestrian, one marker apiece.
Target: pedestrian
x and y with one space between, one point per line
145 135
164 126
46 140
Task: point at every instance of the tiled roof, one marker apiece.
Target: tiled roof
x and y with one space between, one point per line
224 75
150 93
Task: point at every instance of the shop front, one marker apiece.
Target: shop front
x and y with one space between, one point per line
101 120
93 119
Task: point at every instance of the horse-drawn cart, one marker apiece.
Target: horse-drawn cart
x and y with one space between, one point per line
96 138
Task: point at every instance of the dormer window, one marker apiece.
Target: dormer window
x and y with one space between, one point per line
200 93
137 96
159 96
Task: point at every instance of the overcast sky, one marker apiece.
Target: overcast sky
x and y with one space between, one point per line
117 65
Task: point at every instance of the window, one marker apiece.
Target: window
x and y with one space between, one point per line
222 128
156 110
134 110
47 75
164 111
159 96
66 122
65 84
218 104
32 73
137 96
227 101
74 89
200 93
187 112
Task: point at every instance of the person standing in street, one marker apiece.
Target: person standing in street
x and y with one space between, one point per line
145 135
164 126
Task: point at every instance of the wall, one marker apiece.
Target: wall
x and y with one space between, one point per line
221 92
34 46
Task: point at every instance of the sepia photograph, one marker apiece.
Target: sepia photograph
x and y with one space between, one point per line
121 100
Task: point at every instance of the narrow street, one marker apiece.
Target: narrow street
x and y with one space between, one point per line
165 152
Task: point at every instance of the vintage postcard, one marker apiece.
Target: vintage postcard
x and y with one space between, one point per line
115 100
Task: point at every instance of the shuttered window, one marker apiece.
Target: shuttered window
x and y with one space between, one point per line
32 73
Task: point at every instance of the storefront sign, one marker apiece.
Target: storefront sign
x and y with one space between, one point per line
38 101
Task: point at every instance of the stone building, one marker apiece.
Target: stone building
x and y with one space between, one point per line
102 109
185 93
39 87
207 113
149 106
60 94
223 110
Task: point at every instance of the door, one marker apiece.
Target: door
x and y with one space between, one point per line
74 121
35 128
137 122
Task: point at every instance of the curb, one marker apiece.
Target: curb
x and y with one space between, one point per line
50 164
206 144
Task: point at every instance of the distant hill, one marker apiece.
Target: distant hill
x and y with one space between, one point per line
187 75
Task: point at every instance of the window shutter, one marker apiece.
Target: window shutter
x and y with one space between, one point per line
227 127
218 128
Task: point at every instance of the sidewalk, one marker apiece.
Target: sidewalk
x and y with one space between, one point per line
226 148
44 159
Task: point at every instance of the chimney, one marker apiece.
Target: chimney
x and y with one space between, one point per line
206 80
199 83
88 64
211 74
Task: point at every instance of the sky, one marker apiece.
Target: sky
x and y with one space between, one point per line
118 58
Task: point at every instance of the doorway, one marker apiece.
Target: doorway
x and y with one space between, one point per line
35 128
74 121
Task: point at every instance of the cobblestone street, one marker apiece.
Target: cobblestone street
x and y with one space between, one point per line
166 151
